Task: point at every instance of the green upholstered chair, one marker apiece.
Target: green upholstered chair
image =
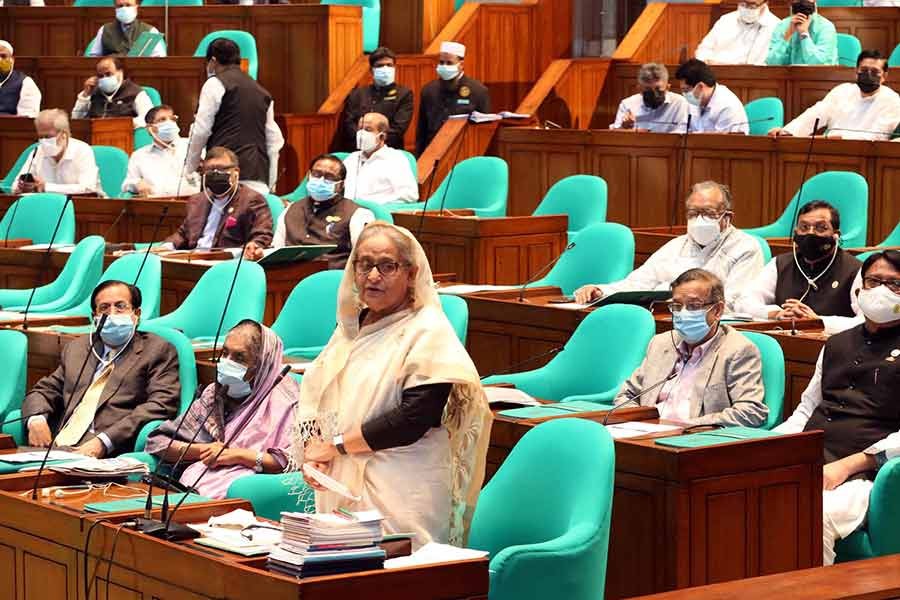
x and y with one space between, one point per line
581 197
245 41
413 164
199 314
6 184
93 3
555 544
152 92
270 494
764 114
479 183
74 284
764 247
880 535
580 371
848 192
848 47
603 253
308 317
772 375
371 20
893 239
894 59
457 312
381 213
34 217
276 206
14 354
113 165
141 135
825 3
172 2
299 192
142 138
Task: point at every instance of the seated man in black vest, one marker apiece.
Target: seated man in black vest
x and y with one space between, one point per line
852 397
325 216
19 95
816 280
119 36
110 94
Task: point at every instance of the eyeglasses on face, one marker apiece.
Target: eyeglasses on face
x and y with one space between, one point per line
386 268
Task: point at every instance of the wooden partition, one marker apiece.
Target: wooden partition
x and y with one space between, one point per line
304 50
642 171
409 26
568 93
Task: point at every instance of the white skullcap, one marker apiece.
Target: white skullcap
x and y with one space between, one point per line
5 44
454 48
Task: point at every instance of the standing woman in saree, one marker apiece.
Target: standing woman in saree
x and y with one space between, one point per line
393 406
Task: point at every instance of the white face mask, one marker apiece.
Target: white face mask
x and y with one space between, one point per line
749 15
880 304
691 98
703 230
366 141
126 14
50 146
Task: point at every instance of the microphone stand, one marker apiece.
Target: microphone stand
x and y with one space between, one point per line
44 262
15 207
542 271
228 300
515 366
638 396
162 216
680 173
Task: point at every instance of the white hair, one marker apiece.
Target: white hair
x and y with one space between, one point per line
652 72
55 117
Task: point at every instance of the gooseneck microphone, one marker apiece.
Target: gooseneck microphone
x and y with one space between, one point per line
638 396
162 217
515 366
679 173
237 270
542 271
44 261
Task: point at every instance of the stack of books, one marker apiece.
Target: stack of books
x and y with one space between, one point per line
328 544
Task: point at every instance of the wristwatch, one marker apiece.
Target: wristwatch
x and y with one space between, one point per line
258 467
338 442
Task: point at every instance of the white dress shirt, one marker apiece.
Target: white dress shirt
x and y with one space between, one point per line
212 221
160 168
142 104
383 177
361 217
211 95
674 400
850 115
723 114
97 45
736 258
75 173
29 96
733 42
671 117
758 296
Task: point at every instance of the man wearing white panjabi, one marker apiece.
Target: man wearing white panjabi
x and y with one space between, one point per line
740 37
393 407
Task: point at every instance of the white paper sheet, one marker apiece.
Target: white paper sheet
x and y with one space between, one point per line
509 395
464 288
432 553
636 428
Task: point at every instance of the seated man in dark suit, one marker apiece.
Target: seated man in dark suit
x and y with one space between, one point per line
225 214
110 94
129 379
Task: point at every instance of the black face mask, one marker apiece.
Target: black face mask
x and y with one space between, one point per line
867 82
653 98
814 247
218 183
806 8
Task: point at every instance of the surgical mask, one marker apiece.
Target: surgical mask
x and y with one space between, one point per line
691 98
218 183
749 15
50 146
231 374
880 304
108 84
6 65
117 330
126 14
814 247
703 230
653 98
167 131
320 189
383 76
867 82
448 72
691 324
366 141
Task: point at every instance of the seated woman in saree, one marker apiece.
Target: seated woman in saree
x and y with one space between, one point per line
393 407
250 363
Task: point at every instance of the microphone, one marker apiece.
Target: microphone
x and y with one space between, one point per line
548 124
887 134
450 177
638 396
812 138
114 223
44 262
162 216
680 172
228 300
515 366
37 477
542 271
427 196
12 218
251 412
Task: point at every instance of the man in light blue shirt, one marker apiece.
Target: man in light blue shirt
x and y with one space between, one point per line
714 108
655 108
804 38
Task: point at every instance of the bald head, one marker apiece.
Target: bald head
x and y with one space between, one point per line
372 133
374 122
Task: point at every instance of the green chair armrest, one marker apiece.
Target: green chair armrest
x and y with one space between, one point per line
884 518
532 382
604 398
145 432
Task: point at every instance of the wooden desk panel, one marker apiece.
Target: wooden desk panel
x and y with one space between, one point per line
409 26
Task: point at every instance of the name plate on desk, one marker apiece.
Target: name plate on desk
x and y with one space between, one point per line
289 254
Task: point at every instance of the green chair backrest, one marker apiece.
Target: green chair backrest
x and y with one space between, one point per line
113 165
413 163
770 108
187 365
894 59
457 312
172 2
839 3
141 138
276 206
14 355
603 253
847 191
125 268
764 246
152 92
371 20
480 183
7 183
555 544
36 217
199 314
893 239
308 318
299 192
93 3
381 213
245 41
848 47
582 197
772 375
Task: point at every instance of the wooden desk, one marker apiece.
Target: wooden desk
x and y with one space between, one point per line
502 250
691 516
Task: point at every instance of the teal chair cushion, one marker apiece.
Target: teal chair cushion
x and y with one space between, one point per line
152 92
457 312
245 41
141 138
764 247
270 494
371 20
93 3
880 535
276 206
172 2
773 375
894 59
480 183
582 197
113 165
34 217
848 47
308 318
7 183
381 213
764 114
847 191
547 529
14 356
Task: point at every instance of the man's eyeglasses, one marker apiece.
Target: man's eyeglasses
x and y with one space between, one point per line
325 175
117 308
708 213
870 282
809 227
675 307
387 268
